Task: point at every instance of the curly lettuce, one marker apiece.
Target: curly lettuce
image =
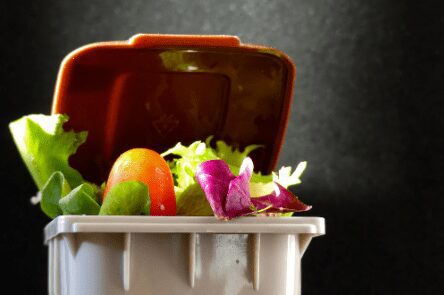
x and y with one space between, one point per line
192 199
189 197
45 147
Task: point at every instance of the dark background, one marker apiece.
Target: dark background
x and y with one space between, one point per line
367 116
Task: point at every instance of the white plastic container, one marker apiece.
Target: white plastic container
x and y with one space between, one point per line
92 255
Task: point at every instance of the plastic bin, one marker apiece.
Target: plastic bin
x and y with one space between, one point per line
116 255
154 91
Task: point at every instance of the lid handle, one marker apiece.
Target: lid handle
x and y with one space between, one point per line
154 40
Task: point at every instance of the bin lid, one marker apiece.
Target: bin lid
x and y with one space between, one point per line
156 90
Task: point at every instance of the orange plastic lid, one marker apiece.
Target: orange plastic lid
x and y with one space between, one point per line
156 90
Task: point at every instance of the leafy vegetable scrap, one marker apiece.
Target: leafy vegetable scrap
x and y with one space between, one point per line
208 180
229 195
45 147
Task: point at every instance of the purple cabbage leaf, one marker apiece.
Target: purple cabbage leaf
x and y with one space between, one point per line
229 195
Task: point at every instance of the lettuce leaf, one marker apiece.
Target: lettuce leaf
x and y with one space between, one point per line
57 198
193 202
45 147
184 167
233 156
81 200
54 189
126 198
286 178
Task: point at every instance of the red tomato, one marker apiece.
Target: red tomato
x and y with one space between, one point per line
150 168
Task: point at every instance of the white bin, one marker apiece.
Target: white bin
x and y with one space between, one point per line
113 255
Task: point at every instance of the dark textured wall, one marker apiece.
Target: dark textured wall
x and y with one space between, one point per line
367 116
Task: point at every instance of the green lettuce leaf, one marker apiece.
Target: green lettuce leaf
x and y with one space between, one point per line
55 188
184 167
284 177
193 202
255 177
147 208
81 200
45 147
126 198
233 156
287 178
259 189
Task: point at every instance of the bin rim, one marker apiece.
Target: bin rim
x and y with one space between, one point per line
68 224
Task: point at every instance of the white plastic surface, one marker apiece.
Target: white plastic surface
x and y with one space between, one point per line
177 255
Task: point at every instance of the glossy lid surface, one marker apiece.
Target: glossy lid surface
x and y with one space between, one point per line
156 90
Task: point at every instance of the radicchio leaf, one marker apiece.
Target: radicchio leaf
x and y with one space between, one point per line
229 196
214 178
279 201
238 200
